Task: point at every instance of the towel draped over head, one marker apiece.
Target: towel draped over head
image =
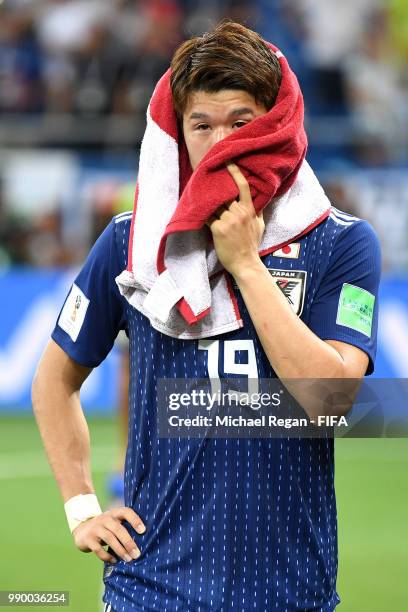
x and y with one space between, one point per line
173 274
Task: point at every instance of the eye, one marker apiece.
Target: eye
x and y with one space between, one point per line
202 126
240 123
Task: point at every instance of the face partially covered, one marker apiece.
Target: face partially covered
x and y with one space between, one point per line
211 117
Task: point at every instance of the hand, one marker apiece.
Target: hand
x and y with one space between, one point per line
236 228
107 528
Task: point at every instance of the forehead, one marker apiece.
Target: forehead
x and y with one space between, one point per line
222 101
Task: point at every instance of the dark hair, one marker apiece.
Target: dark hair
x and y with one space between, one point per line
229 57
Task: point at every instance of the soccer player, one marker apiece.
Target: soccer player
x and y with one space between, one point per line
215 524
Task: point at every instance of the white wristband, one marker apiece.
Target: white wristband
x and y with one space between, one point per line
80 508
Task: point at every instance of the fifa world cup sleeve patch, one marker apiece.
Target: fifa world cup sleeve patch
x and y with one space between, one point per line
73 314
356 309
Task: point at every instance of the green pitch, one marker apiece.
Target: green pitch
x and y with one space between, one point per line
37 552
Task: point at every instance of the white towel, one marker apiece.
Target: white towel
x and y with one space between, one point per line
192 263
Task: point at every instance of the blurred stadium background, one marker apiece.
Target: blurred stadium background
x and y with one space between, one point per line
75 78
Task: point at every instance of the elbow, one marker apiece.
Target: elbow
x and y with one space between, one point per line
36 387
340 396
326 396
41 388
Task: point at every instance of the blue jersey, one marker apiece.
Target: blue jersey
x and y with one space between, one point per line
232 523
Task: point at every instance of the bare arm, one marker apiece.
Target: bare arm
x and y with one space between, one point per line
63 428
64 431
293 350
291 347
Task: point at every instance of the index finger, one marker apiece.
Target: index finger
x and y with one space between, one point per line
131 517
241 183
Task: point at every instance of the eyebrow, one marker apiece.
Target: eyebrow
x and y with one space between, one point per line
237 112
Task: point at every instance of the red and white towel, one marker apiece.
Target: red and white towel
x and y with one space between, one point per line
173 275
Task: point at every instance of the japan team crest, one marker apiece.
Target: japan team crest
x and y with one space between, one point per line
292 283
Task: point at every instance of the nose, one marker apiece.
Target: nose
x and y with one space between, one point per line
220 133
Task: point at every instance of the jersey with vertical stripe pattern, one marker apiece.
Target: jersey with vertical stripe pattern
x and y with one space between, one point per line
232 524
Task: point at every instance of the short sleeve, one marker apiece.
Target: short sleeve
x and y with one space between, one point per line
345 305
94 311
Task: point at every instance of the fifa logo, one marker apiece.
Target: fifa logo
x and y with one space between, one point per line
77 306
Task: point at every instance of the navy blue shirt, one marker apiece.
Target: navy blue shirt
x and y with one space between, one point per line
232 523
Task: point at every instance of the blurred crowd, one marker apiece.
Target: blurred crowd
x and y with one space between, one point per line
93 56
102 58
352 57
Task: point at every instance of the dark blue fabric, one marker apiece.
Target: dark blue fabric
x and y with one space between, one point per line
232 524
